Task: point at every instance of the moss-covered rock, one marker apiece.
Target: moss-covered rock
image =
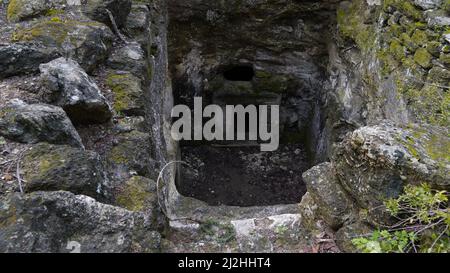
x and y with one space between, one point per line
346 234
128 95
373 171
351 23
19 10
439 75
87 42
397 50
405 7
73 90
137 194
52 221
419 37
32 123
423 58
130 154
334 205
434 48
23 58
56 167
445 59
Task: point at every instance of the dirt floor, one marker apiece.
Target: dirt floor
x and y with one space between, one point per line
244 176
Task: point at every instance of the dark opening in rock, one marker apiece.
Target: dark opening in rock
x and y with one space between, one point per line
239 73
238 173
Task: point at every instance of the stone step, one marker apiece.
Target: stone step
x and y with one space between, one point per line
277 233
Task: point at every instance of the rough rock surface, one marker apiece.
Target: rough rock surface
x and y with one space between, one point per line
334 205
128 94
374 163
85 41
63 222
345 235
96 10
131 154
48 167
137 23
129 57
138 194
32 123
74 91
19 10
22 58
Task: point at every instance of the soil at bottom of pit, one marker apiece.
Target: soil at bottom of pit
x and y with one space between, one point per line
244 176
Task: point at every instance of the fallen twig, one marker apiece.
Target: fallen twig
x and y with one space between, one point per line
19 179
114 25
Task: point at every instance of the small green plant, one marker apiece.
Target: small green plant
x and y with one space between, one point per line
423 224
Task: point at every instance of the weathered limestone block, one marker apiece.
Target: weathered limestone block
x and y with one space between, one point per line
32 123
16 59
19 10
128 94
57 167
137 194
278 233
334 205
74 91
428 4
63 222
85 41
374 163
130 58
346 234
131 154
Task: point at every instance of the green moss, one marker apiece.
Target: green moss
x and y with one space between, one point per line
431 104
406 7
446 6
420 25
134 195
395 30
124 86
423 58
397 50
434 48
221 233
445 58
13 10
388 62
410 142
44 161
54 12
408 42
438 148
419 37
351 25
52 31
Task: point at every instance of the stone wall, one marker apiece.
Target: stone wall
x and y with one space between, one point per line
389 80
